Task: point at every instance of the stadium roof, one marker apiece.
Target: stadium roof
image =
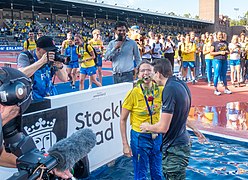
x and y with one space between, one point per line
102 10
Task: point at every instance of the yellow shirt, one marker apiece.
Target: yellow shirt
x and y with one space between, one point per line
31 46
207 47
97 45
188 51
65 44
85 55
136 104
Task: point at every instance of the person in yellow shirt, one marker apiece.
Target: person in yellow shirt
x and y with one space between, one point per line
143 103
30 44
65 43
86 57
188 54
209 58
97 44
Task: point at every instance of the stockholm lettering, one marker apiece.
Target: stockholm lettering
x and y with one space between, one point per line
89 119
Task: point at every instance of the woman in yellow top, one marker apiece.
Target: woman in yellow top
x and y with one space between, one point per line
97 44
209 58
86 57
188 54
143 103
65 43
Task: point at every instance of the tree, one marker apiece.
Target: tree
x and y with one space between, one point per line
172 14
243 21
187 15
197 17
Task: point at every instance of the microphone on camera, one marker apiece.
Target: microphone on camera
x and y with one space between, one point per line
70 150
33 163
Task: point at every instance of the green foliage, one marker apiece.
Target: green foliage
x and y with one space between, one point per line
149 91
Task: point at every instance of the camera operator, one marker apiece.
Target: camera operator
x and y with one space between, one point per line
9 160
45 63
15 97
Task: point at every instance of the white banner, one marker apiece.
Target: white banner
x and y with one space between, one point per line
98 109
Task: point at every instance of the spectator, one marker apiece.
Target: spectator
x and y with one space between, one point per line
188 53
219 49
235 51
122 52
170 50
40 34
30 43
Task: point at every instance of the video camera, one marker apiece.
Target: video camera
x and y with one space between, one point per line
15 89
61 58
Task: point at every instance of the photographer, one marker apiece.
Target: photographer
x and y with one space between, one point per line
42 67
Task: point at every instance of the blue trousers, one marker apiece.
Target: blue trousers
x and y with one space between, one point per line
220 70
209 65
146 153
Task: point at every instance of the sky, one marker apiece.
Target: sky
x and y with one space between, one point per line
181 7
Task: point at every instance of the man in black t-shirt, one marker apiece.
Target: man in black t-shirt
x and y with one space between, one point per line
176 101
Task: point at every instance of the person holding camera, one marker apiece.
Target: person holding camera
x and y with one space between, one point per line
72 62
42 66
15 90
124 53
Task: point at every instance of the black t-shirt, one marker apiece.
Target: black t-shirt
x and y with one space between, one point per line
177 101
220 46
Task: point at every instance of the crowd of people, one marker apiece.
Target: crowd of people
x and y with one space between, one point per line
159 139
200 56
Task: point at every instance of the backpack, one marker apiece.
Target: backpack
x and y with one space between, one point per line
87 50
161 46
28 43
30 56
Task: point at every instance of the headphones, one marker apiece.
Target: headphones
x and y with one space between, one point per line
12 91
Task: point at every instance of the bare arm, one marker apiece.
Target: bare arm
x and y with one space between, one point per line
212 53
7 159
92 56
160 127
123 126
31 69
8 113
201 137
205 51
63 47
61 73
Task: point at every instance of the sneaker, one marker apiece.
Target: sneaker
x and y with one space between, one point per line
227 91
216 92
90 87
73 86
193 82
